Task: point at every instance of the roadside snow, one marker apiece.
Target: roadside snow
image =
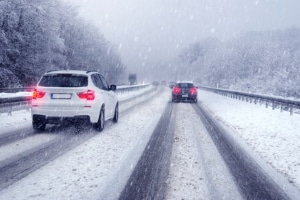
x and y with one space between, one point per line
273 135
15 119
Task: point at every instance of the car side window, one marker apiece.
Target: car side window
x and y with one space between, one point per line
104 83
97 81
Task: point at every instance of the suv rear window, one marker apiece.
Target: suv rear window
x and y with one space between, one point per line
64 80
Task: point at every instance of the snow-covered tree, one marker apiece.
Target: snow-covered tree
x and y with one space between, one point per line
41 35
262 62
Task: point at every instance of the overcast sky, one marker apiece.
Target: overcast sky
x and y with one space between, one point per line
152 32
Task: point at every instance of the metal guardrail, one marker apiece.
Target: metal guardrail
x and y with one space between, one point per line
275 102
14 90
130 88
21 98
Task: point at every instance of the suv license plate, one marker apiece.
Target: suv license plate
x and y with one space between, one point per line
185 95
60 96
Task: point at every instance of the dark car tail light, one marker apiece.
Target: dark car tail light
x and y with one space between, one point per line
193 90
38 94
176 90
88 95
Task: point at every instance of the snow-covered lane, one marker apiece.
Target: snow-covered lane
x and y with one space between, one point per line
197 170
23 145
99 164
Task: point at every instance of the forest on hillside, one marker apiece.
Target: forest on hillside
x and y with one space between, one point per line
41 35
265 62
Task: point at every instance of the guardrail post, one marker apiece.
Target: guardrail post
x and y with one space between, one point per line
9 111
28 107
291 110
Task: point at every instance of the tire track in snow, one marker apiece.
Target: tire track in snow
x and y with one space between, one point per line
197 170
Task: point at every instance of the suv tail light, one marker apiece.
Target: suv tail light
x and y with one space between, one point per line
193 90
176 90
38 94
88 95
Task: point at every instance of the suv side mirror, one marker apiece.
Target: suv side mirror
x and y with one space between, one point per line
112 87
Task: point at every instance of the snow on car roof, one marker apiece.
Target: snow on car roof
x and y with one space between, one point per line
69 72
185 82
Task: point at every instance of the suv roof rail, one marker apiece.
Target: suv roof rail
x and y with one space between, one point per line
91 71
51 70
88 71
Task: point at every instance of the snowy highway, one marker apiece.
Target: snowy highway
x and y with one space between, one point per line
158 150
87 110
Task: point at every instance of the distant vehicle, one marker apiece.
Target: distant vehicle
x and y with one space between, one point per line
155 83
163 82
73 96
184 91
132 79
172 84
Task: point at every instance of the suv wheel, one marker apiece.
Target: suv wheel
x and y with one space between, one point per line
38 124
116 116
99 125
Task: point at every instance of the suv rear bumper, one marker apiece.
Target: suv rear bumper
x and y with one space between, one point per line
91 113
58 120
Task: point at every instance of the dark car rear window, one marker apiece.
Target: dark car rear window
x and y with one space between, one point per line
185 85
64 80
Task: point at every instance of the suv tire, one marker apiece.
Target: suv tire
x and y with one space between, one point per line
99 125
38 124
116 115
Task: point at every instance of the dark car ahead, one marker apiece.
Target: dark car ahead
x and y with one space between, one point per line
184 91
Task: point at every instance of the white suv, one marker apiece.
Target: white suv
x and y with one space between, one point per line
75 96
